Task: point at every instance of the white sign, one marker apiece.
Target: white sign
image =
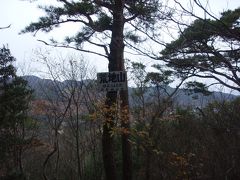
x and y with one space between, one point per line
112 81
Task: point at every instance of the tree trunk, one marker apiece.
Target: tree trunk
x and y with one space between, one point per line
126 146
116 63
79 174
107 140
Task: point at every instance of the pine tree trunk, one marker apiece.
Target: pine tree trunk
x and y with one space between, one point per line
126 146
116 63
108 140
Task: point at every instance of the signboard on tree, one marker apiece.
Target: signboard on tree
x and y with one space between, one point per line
112 81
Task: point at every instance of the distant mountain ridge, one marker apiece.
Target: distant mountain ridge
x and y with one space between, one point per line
183 97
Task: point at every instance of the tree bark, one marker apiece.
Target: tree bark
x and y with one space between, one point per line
126 146
108 140
116 63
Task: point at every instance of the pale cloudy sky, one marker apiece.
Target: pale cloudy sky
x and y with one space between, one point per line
20 13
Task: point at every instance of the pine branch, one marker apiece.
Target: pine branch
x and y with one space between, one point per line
6 27
75 48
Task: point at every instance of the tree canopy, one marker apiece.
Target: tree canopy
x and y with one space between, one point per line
97 19
208 48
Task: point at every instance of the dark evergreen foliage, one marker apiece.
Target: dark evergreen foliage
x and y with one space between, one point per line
14 103
208 48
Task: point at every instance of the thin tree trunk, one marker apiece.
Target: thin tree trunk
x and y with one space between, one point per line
46 162
55 149
21 148
147 161
77 144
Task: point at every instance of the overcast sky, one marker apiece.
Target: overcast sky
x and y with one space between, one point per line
20 13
